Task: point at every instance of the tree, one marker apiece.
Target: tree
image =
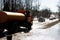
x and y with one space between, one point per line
28 4
59 9
6 6
11 5
45 13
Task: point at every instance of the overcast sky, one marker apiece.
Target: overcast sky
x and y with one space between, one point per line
52 4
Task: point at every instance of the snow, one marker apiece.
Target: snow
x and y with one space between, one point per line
37 33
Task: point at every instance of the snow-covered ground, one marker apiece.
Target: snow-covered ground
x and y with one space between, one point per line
37 24
37 33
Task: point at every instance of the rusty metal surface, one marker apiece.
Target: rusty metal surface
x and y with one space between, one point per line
5 16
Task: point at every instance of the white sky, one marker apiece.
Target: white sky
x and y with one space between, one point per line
52 4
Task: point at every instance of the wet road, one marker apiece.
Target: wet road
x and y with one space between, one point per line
52 33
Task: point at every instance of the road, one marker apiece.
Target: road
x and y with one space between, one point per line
38 32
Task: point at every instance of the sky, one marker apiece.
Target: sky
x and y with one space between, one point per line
51 4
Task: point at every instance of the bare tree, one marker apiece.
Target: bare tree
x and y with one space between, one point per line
12 5
59 8
45 13
28 4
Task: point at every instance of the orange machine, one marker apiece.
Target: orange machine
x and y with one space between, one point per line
15 22
5 16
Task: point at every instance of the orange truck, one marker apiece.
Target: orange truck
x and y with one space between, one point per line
15 21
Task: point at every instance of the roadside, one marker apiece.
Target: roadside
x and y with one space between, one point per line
43 25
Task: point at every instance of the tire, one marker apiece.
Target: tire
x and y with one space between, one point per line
1 33
1 30
28 27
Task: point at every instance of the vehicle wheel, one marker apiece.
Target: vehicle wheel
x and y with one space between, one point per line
1 30
28 27
1 34
26 31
